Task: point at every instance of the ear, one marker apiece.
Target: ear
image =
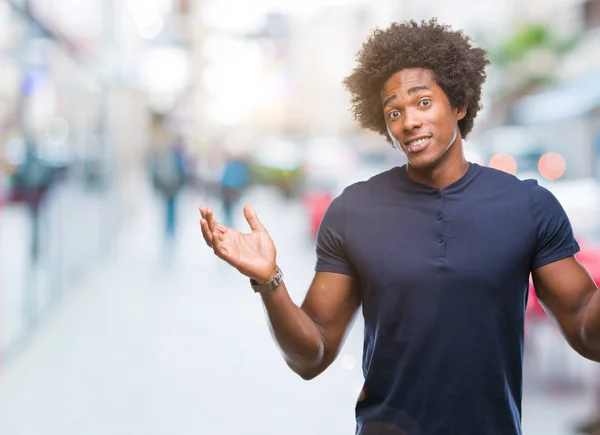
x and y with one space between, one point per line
461 112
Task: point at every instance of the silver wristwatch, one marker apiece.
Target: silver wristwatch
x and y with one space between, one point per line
268 286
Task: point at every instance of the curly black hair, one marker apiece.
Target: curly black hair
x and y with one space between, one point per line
457 66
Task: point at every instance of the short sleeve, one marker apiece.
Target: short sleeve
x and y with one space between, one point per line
331 256
554 239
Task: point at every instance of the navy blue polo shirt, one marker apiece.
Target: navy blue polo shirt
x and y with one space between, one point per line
444 277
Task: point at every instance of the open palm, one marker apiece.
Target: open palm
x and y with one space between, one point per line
253 254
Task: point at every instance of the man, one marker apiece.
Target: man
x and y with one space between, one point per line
32 182
234 180
438 253
169 178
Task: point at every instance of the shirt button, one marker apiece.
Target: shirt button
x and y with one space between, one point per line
440 216
441 240
438 195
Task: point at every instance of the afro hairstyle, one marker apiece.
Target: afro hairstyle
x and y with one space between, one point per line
457 66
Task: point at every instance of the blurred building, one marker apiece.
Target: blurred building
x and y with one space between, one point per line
81 81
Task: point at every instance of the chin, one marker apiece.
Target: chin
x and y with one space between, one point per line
428 159
423 162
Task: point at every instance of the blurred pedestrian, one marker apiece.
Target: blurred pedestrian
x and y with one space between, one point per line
31 182
438 252
234 181
169 177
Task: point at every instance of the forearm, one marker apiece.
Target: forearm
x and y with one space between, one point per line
296 334
590 326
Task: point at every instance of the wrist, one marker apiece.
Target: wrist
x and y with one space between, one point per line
268 284
265 279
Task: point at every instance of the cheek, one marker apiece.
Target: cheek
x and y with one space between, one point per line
442 123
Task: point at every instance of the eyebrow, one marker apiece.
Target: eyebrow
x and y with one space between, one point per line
410 91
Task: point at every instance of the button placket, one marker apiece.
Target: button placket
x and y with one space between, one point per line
440 217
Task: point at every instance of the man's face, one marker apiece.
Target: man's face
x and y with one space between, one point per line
419 116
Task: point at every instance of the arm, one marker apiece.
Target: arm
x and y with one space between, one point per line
310 337
572 298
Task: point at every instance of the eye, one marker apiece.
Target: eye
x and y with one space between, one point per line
425 102
394 114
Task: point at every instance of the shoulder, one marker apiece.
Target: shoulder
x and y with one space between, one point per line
543 201
503 184
540 199
356 195
376 183
501 178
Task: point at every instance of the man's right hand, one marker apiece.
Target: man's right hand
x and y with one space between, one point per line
253 254
309 337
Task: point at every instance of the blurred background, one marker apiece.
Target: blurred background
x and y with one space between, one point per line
119 118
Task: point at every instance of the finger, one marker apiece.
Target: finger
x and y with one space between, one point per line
220 251
217 236
219 247
202 212
220 232
206 233
212 222
252 219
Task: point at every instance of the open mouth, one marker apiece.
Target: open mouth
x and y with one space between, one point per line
418 145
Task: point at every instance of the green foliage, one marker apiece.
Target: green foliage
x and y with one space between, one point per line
288 180
526 39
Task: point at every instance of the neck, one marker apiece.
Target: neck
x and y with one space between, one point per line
449 169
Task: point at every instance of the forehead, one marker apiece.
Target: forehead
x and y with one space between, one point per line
408 78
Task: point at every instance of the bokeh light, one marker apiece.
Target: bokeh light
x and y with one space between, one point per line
552 166
504 162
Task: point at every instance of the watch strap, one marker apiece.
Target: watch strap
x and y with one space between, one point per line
268 286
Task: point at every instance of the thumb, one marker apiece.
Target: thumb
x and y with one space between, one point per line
252 219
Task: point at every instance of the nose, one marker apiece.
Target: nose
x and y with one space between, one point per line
412 120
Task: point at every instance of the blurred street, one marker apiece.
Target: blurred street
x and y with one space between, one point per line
145 347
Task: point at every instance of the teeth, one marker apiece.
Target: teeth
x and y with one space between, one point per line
417 142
